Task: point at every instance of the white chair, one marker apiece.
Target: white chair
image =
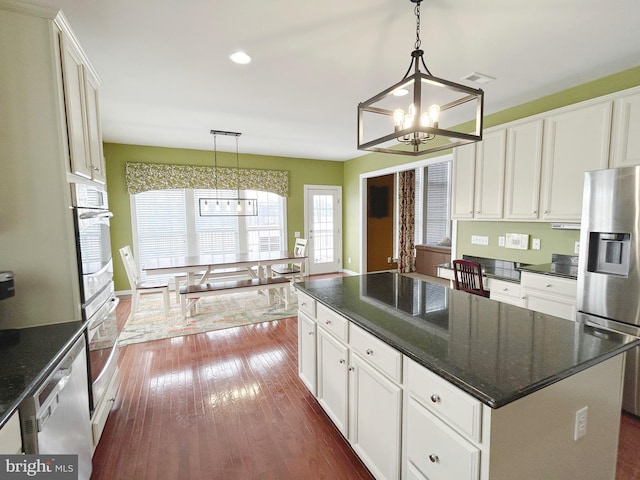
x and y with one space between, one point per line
139 288
295 269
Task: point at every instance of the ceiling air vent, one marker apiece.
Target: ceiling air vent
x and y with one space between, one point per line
479 78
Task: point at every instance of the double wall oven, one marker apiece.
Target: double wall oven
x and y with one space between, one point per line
93 242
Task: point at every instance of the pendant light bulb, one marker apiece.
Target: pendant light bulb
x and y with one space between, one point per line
434 114
398 117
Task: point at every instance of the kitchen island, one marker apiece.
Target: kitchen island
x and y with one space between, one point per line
429 382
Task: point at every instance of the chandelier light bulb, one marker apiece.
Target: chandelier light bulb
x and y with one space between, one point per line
398 117
425 120
434 114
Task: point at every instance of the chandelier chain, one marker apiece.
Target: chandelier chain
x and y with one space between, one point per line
417 13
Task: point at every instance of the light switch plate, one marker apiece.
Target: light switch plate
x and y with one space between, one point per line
501 241
535 244
479 240
518 241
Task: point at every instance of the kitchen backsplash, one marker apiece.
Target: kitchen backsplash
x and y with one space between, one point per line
551 241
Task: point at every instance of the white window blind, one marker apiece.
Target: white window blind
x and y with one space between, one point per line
432 214
167 223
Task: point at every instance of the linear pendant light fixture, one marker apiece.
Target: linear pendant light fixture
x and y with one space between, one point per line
227 207
440 115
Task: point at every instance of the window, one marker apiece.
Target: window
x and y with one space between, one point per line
433 215
167 223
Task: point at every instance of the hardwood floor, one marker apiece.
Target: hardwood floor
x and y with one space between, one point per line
220 405
229 405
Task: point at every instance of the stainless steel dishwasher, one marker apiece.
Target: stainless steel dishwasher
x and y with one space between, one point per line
55 420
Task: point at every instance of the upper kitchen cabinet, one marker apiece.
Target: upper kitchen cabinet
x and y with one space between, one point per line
81 86
625 148
575 141
524 163
478 178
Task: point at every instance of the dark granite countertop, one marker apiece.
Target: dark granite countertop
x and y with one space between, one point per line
494 351
27 357
493 268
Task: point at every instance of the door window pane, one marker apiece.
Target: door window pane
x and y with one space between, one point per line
323 234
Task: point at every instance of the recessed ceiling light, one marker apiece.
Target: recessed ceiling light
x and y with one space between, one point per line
240 58
480 78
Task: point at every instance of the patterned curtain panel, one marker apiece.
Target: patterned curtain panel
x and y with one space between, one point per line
141 177
406 204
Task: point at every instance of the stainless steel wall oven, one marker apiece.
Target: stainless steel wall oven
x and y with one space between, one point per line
93 245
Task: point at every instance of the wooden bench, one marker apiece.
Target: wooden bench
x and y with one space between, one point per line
192 292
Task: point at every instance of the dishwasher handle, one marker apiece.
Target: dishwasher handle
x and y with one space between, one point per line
63 374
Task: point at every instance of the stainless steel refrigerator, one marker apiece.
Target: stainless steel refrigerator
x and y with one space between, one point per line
609 262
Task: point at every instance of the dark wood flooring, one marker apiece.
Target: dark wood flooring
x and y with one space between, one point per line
229 405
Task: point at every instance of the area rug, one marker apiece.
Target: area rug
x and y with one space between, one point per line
212 313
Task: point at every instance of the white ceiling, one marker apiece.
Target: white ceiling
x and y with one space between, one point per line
168 80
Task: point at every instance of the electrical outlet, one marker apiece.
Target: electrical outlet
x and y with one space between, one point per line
580 427
349 260
576 248
535 244
501 241
296 234
479 240
389 260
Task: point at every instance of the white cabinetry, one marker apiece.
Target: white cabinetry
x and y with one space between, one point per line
524 162
464 177
625 148
82 113
478 172
550 295
307 366
575 141
506 292
333 380
10 438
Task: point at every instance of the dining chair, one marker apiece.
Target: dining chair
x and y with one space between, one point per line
467 276
294 269
138 287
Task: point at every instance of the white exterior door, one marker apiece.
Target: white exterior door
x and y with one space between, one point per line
323 228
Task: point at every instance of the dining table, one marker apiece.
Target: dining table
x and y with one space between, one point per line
207 267
199 268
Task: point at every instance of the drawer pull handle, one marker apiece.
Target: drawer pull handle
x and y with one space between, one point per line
327 322
435 398
369 351
342 360
433 458
548 285
303 304
505 289
351 369
310 333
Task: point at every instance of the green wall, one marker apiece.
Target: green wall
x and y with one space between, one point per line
551 241
301 172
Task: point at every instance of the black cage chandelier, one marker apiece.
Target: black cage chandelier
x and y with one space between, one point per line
437 118
226 207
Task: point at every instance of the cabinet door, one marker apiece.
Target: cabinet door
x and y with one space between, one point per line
307 351
625 149
333 379
374 418
464 175
435 450
574 142
489 187
523 167
96 155
73 82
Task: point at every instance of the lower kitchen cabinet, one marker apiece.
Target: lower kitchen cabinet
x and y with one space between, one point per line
551 295
435 451
307 351
375 413
333 379
10 438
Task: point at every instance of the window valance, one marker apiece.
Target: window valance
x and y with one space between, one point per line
141 177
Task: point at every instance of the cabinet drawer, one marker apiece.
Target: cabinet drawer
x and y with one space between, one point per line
505 289
385 358
331 321
435 450
307 305
550 284
452 405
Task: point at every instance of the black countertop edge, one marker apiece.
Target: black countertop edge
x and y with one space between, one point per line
35 383
453 379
